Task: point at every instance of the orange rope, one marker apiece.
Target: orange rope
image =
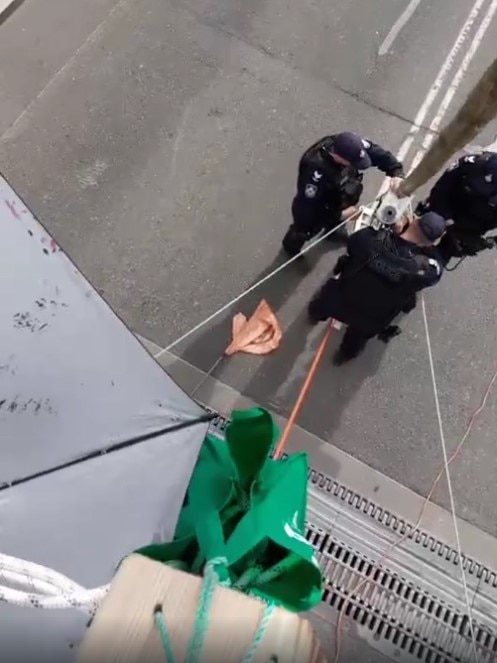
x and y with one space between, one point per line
303 392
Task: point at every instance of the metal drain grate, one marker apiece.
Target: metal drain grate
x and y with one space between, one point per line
394 609
326 484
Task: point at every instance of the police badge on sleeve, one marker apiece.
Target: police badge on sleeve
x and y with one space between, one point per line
310 190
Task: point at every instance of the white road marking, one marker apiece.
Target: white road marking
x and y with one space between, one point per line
456 82
440 79
386 45
436 86
4 4
11 131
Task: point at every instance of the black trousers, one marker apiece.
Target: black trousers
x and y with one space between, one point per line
303 229
354 339
353 342
458 245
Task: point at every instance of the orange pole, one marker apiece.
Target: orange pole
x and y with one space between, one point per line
280 447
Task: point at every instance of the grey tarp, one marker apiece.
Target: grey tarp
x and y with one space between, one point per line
74 380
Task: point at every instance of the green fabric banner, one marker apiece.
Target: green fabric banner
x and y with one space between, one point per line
249 509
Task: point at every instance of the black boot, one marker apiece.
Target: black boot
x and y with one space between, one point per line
313 316
353 343
293 241
389 332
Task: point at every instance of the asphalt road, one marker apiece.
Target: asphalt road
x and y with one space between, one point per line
158 141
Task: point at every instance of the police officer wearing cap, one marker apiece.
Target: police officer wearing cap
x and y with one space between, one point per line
330 181
377 279
466 195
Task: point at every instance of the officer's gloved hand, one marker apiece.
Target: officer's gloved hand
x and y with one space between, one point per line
389 332
422 208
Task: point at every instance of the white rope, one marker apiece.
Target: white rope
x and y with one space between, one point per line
253 287
36 585
447 470
449 482
31 585
33 570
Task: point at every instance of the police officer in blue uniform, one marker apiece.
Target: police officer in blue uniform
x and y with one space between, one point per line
377 279
466 195
330 181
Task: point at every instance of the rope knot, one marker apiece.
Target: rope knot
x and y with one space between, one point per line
216 571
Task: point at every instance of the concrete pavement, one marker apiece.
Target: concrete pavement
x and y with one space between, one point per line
158 141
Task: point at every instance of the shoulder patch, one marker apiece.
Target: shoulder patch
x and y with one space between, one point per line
316 176
310 190
470 159
434 263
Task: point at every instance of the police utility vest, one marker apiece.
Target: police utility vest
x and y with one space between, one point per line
394 268
347 179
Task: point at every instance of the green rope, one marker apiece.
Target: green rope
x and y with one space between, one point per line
164 634
201 624
248 577
259 634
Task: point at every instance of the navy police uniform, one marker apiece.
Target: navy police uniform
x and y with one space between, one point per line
375 281
326 187
466 193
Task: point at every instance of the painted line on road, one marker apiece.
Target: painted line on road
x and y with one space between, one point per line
396 28
10 131
456 82
7 8
435 88
437 84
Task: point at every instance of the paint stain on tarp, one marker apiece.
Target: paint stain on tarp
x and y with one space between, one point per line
21 406
16 213
53 247
29 322
45 304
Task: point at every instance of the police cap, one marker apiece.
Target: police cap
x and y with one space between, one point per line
351 147
432 225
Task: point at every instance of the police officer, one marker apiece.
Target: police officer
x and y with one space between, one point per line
330 181
466 195
378 279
